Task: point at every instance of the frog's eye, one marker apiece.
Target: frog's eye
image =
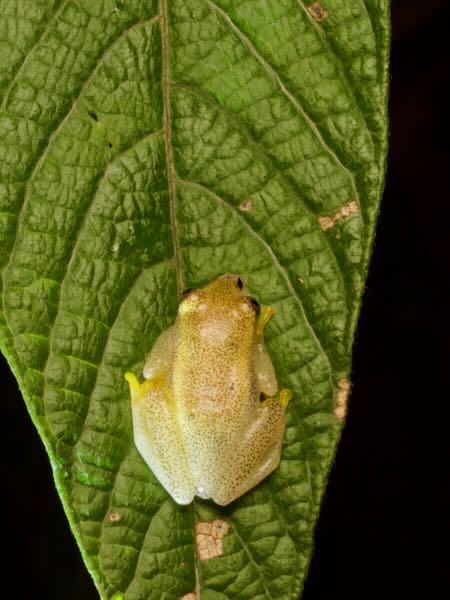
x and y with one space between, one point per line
185 293
256 305
239 283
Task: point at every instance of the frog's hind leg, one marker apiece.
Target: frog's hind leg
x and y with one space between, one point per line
260 452
157 436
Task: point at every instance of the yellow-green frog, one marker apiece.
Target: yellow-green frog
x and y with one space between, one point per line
208 419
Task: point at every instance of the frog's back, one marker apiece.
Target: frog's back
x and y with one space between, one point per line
214 378
216 406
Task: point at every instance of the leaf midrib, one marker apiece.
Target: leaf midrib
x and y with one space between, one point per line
165 65
170 169
171 184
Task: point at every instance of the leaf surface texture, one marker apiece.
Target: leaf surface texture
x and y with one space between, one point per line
147 147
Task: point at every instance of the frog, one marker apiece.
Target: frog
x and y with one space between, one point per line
208 419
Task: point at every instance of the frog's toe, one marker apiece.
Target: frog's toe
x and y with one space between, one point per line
285 396
265 316
181 498
132 381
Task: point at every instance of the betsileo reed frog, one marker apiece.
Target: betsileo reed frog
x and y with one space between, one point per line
208 419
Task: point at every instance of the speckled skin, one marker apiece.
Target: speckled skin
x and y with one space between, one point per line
200 420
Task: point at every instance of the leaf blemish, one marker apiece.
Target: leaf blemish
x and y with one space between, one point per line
317 12
209 538
114 517
340 409
246 205
93 115
327 222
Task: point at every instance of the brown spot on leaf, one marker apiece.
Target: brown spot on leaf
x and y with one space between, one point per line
114 517
340 409
246 205
327 222
209 538
317 11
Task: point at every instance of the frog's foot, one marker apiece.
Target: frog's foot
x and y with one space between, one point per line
132 382
285 396
265 316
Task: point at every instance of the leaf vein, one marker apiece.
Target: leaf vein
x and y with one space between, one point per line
334 53
272 255
282 85
306 202
168 141
99 365
136 566
40 36
250 557
40 160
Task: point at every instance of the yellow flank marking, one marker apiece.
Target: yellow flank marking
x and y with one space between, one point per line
265 316
151 384
285 396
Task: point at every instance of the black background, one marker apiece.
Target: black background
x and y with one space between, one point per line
383 532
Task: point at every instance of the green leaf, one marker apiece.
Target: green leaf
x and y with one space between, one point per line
151 146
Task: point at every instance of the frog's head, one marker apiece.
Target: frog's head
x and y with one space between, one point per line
226 292
224 305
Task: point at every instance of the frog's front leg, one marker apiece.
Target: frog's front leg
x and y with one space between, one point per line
157 435
259 453
265 372
160 358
